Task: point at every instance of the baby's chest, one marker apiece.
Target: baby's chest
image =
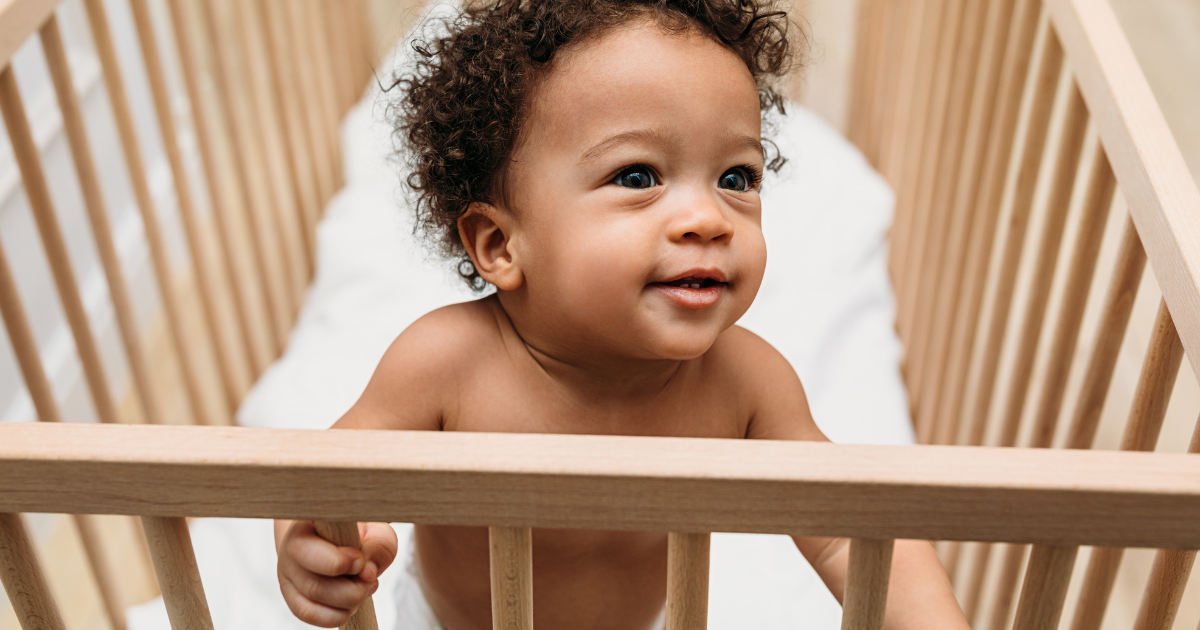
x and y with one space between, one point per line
515 407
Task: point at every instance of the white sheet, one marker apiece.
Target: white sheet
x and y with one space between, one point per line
826 304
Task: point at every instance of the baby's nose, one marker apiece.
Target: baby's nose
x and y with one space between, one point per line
702 221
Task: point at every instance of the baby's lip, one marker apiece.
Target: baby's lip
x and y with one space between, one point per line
698 276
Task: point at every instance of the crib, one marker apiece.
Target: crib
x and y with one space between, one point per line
1006 128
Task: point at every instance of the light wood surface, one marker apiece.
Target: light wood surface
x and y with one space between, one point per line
103 570
224 340
1001 137
1045 589
1148 164
1097 587
38 193
136 167
646 484
178 577
687 580
225 195
1097 201
1164 591
24 581
511 553
18 20
867 575
93 201
345 534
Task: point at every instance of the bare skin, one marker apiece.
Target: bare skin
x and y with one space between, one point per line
627 245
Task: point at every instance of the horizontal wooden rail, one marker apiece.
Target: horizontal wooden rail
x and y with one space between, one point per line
604 482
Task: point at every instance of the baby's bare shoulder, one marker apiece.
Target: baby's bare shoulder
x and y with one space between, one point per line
759 372
423 367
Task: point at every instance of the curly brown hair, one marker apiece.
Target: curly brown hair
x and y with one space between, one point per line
462 102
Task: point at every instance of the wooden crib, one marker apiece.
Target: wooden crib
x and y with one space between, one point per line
1007 129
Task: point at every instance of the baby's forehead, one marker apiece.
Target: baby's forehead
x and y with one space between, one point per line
641 75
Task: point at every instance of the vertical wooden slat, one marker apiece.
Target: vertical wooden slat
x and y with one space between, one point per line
115 84
29 360
295 136
269 137
305 68
345 534
868 572
1097 201
926 239
926 132
950 283
892 154
859 85
1164 591
38 192
1018 55
1155 384
511 551
251 167
885 79
339 46
1110 333
178 577
358 20
1023 175
950 219
227 198
23 579
1045 588
1012 557
326 96
93 202
1168 577
687 581
1061 184
229 366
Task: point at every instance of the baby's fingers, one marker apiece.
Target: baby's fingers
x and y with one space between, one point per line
309 611
319 556
379 547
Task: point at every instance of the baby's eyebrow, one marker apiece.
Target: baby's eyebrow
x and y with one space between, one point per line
654 136
647 136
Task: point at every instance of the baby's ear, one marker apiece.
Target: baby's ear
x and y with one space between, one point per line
486 233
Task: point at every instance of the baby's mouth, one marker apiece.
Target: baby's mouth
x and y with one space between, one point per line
691 282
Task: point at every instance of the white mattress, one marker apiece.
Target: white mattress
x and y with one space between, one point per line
826 304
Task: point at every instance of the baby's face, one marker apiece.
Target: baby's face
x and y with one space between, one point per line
634 197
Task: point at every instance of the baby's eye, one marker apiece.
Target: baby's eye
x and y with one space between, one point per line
636 177
736 179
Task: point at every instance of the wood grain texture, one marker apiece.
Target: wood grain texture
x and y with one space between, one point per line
178 577
1110 334
224 339
1045 589
97 213
1164 591
604 482
345 534
24 345
867 575
24 582
511 552
687 580
37 191
135 164
1162 195
1097 586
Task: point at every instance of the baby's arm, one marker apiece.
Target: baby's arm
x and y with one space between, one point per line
919 594
324 584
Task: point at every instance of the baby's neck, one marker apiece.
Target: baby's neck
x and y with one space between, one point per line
591 374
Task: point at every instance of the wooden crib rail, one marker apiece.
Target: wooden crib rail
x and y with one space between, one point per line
1057 500
646 484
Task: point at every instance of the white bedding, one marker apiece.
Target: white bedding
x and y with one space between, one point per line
826 304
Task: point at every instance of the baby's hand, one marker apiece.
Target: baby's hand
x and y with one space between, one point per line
324 584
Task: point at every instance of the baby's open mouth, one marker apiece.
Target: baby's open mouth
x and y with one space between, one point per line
691 282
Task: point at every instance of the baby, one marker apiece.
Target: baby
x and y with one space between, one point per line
598 162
